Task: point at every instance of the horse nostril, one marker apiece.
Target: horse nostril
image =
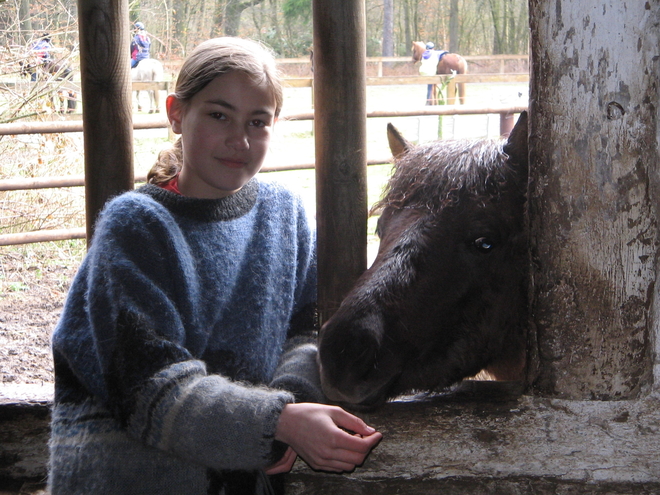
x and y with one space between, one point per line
349 349
364 358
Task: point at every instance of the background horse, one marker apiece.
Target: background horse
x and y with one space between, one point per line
148 70
446 295
65 99
449 63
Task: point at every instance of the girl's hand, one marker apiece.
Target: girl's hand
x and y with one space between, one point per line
320 435
285 464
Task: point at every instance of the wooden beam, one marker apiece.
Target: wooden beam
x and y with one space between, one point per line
106 95
341 151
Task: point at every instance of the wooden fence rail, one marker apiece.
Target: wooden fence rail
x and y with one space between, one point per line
306 82
379 61
151 122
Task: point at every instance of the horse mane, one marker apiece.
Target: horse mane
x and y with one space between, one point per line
435 175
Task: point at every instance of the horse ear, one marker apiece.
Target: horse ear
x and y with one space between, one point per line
398 144
516 146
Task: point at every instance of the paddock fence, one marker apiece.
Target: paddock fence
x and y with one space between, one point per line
506 114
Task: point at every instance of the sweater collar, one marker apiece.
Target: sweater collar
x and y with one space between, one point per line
208 210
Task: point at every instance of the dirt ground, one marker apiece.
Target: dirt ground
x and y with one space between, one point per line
31 301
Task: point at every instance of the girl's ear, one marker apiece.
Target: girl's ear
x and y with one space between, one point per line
174 109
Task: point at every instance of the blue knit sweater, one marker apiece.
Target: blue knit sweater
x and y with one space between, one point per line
189 326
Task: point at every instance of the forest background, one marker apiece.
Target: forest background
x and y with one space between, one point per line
468 27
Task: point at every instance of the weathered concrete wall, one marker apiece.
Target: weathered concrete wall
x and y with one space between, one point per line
594 196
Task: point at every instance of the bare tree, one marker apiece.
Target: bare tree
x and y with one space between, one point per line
453 26
233 11
25 20
388 28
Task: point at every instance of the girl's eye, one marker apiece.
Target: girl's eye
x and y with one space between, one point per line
258 123
218 115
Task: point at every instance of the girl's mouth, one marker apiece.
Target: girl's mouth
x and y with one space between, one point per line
232 163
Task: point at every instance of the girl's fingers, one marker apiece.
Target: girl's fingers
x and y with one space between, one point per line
347 459
334 466
285 464
352 423
357 443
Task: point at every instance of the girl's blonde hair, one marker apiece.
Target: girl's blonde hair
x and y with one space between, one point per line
211 59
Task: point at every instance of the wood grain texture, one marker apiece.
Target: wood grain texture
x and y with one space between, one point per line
106 94
341 152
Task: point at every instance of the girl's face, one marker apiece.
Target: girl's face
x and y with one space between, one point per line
225 131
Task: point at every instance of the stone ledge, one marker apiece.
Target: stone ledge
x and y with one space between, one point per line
17 393
482 437
442 438
24 431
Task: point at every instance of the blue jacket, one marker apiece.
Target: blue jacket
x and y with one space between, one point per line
140 46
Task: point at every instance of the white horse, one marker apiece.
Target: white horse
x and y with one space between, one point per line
148 70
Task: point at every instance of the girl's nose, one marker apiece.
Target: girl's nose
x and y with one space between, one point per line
237 139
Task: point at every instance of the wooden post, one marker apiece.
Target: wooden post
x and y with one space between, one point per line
451 92
341 151
506 124
594 196
106 94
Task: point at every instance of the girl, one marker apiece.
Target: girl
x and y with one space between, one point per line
185 360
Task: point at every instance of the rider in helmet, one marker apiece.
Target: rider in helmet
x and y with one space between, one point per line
40 55
428 67
140 45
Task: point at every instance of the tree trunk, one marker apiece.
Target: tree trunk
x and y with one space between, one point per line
274 21
26 21
453 26
408 26
181 21
233 11
218 18
388 28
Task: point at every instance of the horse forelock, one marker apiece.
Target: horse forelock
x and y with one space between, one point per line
438 174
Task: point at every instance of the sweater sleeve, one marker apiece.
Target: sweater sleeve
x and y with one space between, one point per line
298 369
205 418
141 301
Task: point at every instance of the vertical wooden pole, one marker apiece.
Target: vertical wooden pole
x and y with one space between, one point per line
452 91
106 95
341 152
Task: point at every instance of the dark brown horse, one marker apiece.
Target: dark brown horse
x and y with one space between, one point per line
449 63
446 295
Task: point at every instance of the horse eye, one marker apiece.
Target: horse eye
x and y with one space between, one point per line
483 245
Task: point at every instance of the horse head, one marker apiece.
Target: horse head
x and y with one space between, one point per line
446 294
418 48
